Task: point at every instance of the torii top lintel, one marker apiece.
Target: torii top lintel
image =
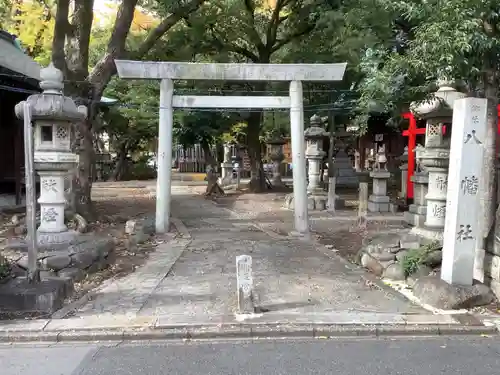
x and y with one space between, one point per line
229 72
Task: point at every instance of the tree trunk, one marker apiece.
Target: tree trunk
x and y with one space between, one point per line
70 54
209 156
257 181
120 162
489 180
82 186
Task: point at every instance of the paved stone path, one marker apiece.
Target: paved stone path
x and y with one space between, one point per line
192 278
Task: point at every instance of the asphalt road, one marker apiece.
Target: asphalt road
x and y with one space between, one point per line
444 356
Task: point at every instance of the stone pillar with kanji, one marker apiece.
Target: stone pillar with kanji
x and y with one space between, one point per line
52 115
435 157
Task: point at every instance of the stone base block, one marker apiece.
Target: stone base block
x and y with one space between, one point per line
410 241
347 181
383 175
379 203
414 219
45 297
378 207
317 202
417 209
438 293
428 234
314 202
339 204
379 198
61 238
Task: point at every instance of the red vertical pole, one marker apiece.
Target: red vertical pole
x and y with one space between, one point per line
412 143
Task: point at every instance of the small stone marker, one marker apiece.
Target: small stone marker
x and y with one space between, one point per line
244 282
332 181
463 201
363 205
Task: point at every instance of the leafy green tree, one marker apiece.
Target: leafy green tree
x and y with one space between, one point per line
33 24
441 40
71 53
253 31
132 123
5 11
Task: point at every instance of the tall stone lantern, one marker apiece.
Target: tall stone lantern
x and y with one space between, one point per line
315 135
276 142
227 165
435 156
52 116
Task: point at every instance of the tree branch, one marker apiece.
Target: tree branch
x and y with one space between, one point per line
105 67
77 43
166 25
287 39
60 29
233 47
274 23
252 31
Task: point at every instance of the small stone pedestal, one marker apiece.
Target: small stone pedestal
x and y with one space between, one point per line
379 201
417 211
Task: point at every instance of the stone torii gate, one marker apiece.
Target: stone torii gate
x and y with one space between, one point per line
169 71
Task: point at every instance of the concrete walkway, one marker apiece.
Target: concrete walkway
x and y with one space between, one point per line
193 279
190 282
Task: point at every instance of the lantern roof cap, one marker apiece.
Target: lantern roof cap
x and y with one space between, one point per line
51 104
441 102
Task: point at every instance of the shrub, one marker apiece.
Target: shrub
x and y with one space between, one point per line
416 257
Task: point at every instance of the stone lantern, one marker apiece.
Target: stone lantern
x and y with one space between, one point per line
315 136
276 142
52 116
227 165
435 156
236 161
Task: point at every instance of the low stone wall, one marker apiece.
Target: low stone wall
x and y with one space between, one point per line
88 255
385 255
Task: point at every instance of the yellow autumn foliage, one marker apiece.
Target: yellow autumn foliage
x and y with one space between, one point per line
33 23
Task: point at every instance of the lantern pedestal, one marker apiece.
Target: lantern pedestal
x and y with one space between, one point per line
417 211
379 201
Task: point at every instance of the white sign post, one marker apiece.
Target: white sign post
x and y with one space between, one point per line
463 202
244 282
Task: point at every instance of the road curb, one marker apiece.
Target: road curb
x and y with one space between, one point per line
246 331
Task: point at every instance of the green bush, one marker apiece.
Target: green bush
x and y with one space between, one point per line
4 268
416 257
140 169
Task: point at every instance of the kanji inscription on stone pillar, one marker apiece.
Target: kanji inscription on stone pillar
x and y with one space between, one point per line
463 202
